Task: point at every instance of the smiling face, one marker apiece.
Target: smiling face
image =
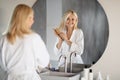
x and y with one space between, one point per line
71 21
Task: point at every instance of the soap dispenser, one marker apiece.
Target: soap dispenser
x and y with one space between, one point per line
86 72
90 76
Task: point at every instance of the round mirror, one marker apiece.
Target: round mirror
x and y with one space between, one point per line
93 22
91 19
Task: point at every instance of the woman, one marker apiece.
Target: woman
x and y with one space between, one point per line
22 51
69 38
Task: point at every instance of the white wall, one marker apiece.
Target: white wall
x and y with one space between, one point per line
54 14
110 61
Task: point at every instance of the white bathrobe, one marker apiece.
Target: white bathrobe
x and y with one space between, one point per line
20 60
77 46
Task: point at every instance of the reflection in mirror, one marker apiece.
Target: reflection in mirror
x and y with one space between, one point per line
92 21
70 39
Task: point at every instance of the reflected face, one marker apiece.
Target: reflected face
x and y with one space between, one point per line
71 21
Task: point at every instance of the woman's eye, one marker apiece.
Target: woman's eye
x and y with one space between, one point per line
67 18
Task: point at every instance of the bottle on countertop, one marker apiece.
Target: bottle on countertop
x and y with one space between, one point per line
85 72
107 77
83 78
90 76
99 77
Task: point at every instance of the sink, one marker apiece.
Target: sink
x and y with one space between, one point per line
62 74
76 68
52 75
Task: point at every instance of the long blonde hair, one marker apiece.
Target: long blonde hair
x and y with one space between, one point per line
18 26
66 15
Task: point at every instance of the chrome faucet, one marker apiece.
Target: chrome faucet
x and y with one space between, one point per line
71 60
65 63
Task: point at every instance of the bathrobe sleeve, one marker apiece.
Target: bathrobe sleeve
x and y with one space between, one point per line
77 42
56 50
41 53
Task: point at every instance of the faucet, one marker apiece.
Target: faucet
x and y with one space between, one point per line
65 63
71 60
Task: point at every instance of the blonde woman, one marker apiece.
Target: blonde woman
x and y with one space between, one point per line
22 51
69 38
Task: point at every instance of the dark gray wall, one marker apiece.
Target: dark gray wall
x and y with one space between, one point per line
93 22
40 18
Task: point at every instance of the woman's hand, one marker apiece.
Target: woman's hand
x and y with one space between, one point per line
60 34
63 36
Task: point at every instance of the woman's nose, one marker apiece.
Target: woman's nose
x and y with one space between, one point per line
70 21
